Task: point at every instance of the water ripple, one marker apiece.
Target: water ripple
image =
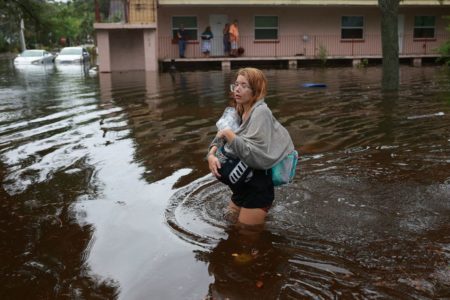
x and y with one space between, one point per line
366 217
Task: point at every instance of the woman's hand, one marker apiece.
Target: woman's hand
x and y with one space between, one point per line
214 164
227 134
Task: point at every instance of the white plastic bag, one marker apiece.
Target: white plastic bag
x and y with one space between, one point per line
230 119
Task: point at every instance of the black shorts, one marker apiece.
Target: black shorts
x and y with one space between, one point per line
256 193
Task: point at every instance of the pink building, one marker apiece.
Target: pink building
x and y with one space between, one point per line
138 34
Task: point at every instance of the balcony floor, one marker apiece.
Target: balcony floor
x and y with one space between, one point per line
292 62
287 58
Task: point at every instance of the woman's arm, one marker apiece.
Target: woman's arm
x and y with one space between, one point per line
213 161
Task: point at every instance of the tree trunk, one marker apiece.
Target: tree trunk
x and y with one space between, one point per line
389 41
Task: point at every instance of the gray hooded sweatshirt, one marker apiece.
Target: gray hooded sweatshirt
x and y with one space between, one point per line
261 141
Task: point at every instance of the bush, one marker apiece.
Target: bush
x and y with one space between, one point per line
323 54
444 50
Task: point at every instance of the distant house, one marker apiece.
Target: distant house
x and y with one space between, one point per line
136 34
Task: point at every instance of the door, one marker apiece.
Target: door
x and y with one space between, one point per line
217 22
401 29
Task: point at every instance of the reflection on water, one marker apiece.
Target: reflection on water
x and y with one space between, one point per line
248 262
106 194
73 69
33 71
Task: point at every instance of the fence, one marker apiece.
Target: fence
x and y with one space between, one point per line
312 46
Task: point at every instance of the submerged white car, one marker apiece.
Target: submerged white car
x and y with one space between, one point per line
71 55
34 57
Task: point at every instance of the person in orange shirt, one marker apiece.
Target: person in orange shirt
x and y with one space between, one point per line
234 38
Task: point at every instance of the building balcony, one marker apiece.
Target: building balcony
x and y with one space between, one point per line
125 14
308 46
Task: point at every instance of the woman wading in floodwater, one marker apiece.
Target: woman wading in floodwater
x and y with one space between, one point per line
243 158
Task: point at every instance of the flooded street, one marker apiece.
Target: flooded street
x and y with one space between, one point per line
106 192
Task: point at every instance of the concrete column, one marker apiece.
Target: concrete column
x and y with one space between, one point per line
150 50
105 80
104 59
292 64
226 65
417 62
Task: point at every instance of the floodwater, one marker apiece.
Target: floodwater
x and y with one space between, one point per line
106 194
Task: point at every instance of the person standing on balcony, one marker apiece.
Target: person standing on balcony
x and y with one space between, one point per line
206 41
234 38
182 37
226 39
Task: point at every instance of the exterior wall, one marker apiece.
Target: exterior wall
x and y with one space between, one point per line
302 30
129 43
122 47
126 49
104 60
305 28
425 46
150 50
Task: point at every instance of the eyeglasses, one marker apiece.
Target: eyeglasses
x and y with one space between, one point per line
243 86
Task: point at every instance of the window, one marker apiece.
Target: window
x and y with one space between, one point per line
190 26
266 27
424 26
352 27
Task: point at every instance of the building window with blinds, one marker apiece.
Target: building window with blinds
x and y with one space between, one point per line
424 27
190 26
266 27
352 27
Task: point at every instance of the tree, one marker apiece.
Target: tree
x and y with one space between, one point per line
72 19
46 21
444 49
389 41
11 12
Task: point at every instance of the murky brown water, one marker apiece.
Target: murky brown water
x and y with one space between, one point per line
106 194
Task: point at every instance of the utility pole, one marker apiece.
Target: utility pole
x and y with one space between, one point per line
22 36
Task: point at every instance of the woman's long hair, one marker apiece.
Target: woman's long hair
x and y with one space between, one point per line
258 83
207 30
226 28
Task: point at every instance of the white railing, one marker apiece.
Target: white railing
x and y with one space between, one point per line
311 46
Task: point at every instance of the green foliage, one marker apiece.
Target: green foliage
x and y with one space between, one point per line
117 17
45 22
93 54
364 63
444 49
323 54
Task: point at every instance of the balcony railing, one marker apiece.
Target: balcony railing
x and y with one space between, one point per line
125 11
309 46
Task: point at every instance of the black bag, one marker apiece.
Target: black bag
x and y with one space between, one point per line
234 172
